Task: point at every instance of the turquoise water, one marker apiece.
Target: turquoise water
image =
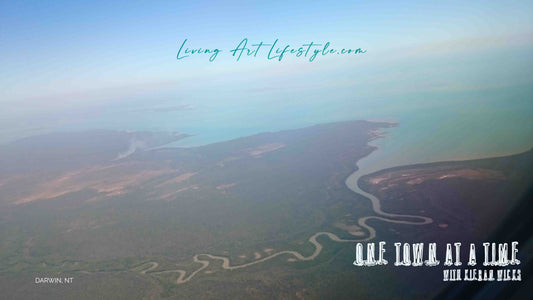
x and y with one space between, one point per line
431 126
456 126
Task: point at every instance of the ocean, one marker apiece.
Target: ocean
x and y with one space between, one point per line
432 126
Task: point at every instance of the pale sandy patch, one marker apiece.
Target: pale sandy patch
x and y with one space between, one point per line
415 181
225 186
258 151
377 180
178 179
101 179
351 229
172 194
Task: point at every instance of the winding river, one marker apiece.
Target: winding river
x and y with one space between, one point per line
352 182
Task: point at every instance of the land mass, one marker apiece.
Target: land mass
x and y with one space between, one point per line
183 222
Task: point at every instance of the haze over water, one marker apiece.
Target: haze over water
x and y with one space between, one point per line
456 77
432 126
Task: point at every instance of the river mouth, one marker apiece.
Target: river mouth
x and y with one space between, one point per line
352 182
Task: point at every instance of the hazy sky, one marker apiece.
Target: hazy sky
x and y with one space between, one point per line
57 55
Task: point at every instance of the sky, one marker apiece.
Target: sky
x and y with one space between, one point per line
67 55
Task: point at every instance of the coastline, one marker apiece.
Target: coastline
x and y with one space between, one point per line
352 183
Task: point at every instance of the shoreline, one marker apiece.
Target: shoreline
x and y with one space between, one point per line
351 182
